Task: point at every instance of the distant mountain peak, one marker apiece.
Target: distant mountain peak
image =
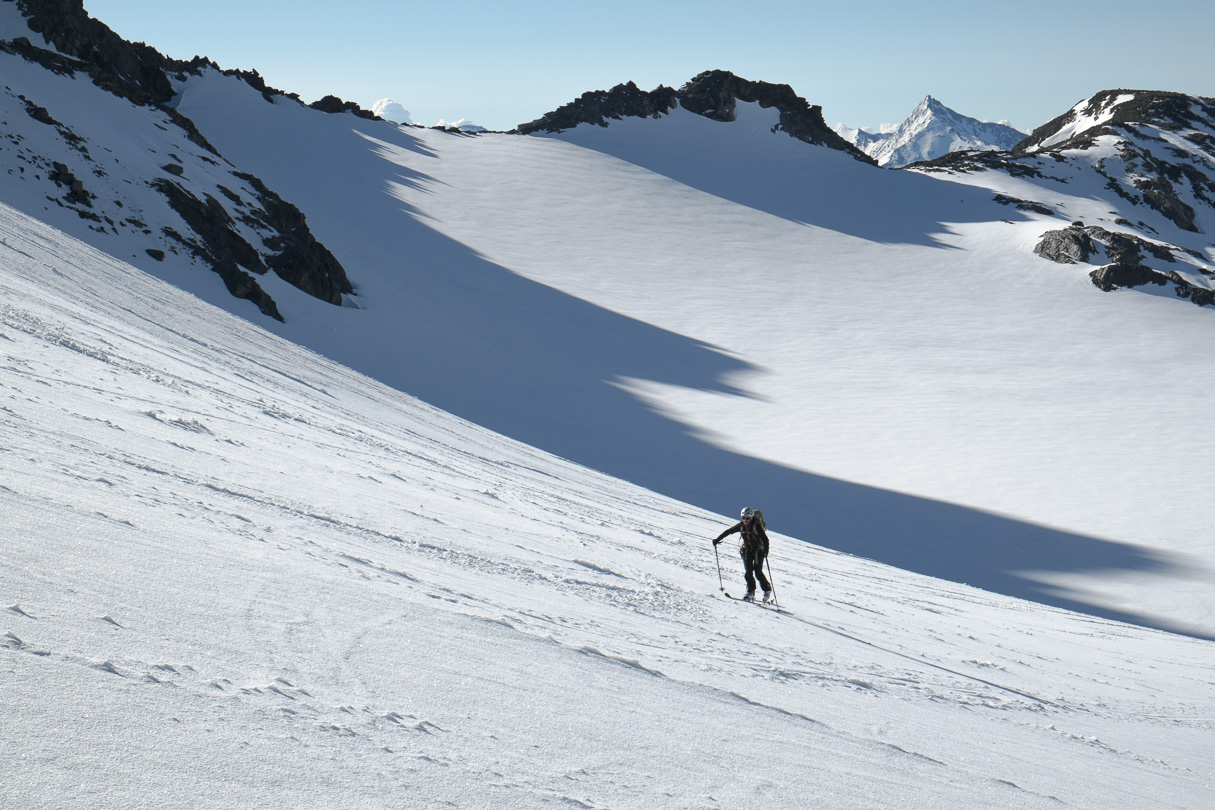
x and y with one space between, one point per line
931 131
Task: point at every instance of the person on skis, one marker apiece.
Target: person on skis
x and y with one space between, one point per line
754 550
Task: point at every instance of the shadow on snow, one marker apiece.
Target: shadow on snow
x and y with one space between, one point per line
543 367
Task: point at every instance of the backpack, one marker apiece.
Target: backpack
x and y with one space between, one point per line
759 516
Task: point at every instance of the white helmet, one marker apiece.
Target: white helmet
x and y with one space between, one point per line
748 512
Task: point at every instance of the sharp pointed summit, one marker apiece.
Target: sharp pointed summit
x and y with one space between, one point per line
931 131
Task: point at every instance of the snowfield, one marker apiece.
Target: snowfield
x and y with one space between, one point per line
726 315
237 574
448 542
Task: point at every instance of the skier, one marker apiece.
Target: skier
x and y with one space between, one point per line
754 550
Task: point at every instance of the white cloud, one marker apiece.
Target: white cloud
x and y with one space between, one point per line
462 124
391 110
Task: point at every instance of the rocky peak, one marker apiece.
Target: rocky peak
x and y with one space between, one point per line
713 94
143 76
134 71
598 107
1114 111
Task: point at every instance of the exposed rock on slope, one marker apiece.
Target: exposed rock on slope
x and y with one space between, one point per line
1078 244
231 220
713 94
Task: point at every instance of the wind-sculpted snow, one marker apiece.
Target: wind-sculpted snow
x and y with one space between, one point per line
237 574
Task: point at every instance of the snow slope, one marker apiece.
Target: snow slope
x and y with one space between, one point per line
238 574
727 316
721 314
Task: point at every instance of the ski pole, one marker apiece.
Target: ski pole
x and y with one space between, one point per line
771 580
720 585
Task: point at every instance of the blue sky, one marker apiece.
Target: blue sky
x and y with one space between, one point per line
501 64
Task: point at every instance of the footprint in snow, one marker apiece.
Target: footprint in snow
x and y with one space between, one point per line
12 641
150 678
108 666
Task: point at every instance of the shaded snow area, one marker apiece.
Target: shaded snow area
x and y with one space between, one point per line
237 574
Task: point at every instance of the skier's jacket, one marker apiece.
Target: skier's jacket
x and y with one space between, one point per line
753 537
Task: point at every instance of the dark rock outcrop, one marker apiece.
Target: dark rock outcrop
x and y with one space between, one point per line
1164 151
76 192
1126 248
1202 296
975 161
219 244
1120 276
1159 193
333 104
1023 205
294 253
1070 245
298 258
1076 244
134 71
713 94
598 107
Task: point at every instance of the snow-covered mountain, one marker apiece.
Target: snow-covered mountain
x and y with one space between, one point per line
365 532
931 131
1149 156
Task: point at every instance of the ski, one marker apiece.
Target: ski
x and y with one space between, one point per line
773 606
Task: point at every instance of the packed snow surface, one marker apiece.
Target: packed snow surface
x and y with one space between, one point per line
238 574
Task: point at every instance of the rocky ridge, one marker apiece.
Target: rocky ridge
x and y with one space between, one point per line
713 94
1152 149
233 223
1151 155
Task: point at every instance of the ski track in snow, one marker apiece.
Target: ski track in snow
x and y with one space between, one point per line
225 554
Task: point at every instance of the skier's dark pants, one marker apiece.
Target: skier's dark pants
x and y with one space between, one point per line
753 562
